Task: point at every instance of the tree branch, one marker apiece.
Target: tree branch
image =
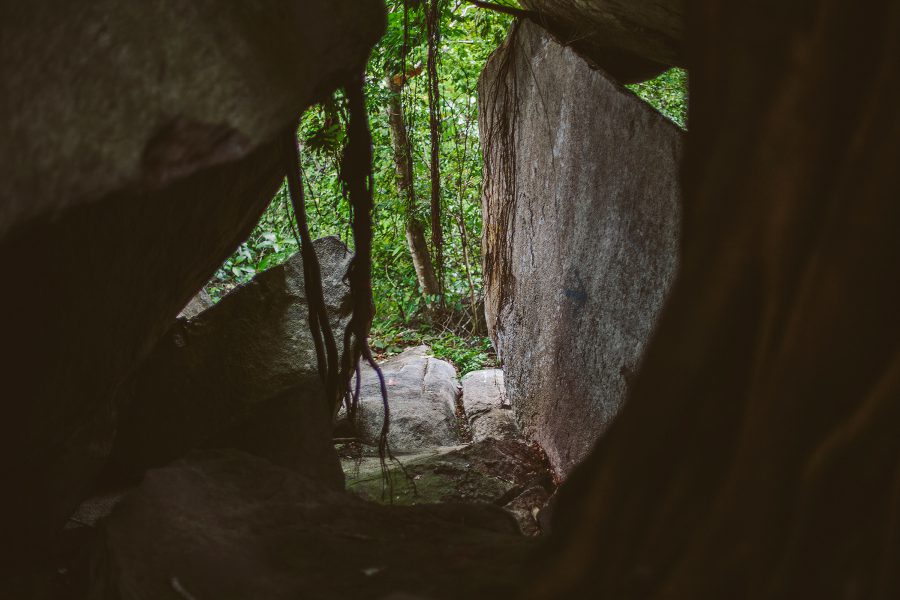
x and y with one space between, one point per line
502 8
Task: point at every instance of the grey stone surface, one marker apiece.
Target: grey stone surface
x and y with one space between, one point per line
580 236
488 412
141 143
632 39
422 392
197 305
241 374
227 525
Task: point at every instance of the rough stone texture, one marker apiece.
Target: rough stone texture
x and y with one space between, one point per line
630 39
488 412
101 96
758 454
197 305
231 526
580 236
96 508
526 508
242 374
494 471
422 391
140 147
506 473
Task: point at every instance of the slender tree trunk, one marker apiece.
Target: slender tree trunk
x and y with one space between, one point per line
415 231
433 23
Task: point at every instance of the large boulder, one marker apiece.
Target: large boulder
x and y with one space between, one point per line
631 39
242 374
222 524
422 394
582 217
758 453
141 142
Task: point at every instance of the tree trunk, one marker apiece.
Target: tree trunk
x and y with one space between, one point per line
415 231
433 26
758 453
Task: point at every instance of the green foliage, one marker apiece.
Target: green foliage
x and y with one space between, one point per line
667 93
469 35
403 315
466 352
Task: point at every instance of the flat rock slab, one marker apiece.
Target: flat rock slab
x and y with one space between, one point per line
488 412
422 392
491 471
227 525
581 236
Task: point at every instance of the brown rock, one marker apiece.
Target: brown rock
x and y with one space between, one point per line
227 525
141 142
757 455
527 506
632 40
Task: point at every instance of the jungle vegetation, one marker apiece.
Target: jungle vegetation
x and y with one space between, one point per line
421 95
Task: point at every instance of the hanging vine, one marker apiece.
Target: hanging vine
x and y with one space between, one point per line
356 176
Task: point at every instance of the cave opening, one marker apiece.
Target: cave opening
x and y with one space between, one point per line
507 329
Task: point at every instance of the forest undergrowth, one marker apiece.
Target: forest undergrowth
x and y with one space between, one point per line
453 46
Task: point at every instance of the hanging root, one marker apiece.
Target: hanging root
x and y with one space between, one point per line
319 325
356 173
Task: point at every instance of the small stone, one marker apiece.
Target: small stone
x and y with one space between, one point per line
422 392
486 406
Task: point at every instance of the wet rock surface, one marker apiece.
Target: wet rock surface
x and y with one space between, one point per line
224 524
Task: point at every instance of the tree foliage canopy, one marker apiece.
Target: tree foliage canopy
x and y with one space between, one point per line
404 315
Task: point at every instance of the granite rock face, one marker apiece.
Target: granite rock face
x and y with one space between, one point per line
223 524
242 374
582 217
422 391
141 142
